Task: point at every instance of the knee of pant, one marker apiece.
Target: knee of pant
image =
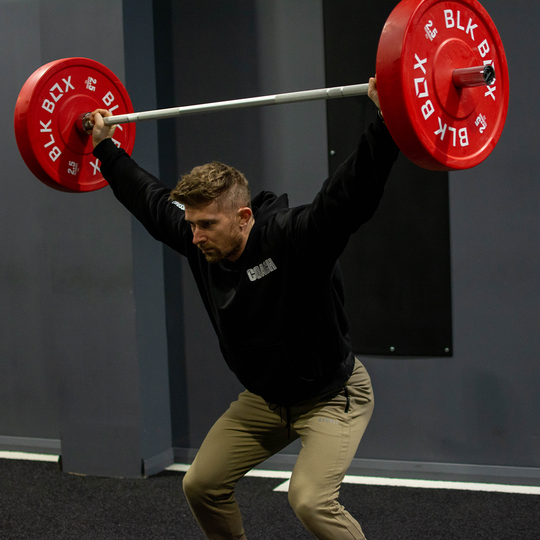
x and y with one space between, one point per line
304 503
195 487
202 486
189 485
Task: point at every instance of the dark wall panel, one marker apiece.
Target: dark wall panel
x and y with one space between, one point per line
397 267
172 266
215 58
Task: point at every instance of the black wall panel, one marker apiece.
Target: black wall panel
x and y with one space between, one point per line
397 267
163 14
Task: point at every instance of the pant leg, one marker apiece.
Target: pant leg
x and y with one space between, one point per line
247 434
330 438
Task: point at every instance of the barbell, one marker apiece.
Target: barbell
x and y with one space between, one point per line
442 79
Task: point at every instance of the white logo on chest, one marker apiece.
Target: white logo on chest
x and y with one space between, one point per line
262 270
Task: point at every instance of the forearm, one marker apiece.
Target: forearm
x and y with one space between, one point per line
146 197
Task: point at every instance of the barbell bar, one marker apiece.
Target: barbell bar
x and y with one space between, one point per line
442 80
462 78
275 99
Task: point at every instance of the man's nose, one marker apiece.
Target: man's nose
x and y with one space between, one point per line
198 236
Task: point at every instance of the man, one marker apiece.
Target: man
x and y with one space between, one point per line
269 278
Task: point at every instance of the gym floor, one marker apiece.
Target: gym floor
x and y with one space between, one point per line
39 501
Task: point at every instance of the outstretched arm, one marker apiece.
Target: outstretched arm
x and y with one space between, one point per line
350 197
139 191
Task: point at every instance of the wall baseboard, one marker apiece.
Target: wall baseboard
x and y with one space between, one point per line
415 470
158 463
33 445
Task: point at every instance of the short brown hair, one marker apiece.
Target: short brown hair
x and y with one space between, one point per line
213 181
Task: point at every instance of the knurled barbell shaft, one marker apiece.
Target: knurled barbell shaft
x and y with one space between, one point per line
276 99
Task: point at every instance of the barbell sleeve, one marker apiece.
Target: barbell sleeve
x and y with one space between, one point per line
474 76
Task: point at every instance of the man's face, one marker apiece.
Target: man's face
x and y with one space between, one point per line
216 232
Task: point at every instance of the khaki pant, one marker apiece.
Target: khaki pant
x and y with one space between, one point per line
250 432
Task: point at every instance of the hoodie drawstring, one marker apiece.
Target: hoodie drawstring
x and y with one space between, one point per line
273 407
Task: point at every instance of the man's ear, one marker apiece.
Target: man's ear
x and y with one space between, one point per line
244 214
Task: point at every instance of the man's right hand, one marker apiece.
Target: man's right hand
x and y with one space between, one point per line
101 131
372 91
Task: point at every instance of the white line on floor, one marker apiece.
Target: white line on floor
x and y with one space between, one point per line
399 482
28 456
349 479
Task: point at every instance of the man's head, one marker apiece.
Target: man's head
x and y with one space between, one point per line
217 202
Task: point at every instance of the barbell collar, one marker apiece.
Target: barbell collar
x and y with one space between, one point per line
474 76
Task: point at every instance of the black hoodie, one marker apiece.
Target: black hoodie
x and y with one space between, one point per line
278 310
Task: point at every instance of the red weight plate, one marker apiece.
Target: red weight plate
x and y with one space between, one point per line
47 109
435 124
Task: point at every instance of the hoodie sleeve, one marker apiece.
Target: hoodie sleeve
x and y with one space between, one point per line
347 199
146 197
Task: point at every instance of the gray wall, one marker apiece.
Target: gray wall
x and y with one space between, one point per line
74 365
80 283
55 292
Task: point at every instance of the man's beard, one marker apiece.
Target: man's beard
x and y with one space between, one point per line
215 255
